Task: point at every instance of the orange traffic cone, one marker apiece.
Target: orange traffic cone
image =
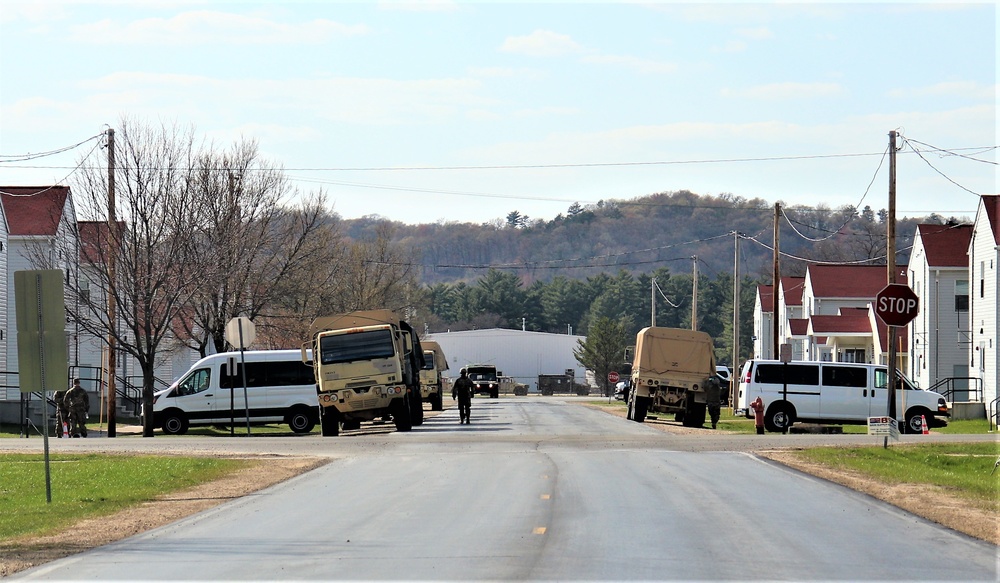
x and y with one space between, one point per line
923 425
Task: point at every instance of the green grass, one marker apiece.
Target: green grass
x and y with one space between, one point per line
90 485
962 469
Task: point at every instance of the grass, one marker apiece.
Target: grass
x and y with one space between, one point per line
965 469
91 485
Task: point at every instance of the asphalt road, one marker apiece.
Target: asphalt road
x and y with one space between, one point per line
533 489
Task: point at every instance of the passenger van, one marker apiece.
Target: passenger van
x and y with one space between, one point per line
280 389
832 392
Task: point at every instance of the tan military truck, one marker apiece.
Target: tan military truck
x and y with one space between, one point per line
367 366
431 375
669 372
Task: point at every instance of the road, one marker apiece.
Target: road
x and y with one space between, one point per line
533 489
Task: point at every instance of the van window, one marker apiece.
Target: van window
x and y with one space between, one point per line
357 346
882 380
845 376
793 374
270 374
194 383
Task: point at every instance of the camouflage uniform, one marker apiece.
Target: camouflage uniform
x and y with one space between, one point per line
77 402
62 413
713 397
462 390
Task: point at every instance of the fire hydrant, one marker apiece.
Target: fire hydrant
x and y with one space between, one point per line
758 415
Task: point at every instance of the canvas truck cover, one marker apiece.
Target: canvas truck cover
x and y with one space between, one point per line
669 351
353 320
440 362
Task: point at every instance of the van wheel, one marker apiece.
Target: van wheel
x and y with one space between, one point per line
779 417
329 421
174 422
300 420
912 424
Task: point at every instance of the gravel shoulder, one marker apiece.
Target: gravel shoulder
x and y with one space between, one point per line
934 504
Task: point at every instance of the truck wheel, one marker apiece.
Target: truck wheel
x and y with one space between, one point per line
640 409
174 422
329 421
400 409
416 409
695 415
779 417
301 420
495 394
436 404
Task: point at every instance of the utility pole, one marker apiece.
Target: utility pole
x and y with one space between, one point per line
777 283
694 293
890 262
112 291
652 301
736 320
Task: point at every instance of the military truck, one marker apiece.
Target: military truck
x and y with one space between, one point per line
485 379
669 372
431 381
367 366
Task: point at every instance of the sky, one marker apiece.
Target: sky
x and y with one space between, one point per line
426 112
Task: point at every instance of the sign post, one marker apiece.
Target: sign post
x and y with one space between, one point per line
896 305
240 332
613 379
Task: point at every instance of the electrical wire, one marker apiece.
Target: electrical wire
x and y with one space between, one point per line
934 168
27 157
58 182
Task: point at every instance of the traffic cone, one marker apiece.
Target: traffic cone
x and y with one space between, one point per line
923 425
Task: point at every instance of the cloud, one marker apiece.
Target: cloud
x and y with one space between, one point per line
759 33
968 89
418 5
541 43
211 27
787 90
635 63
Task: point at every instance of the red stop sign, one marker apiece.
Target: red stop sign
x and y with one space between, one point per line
613 377
896 304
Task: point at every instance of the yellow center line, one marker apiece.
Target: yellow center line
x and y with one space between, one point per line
545 496
539 530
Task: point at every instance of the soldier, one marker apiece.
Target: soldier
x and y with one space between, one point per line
713 397
462 389
62 413
78 404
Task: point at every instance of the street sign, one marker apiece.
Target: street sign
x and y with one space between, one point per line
613 377
883 426
896 304
240 332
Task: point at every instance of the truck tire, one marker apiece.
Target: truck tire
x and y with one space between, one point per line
639 406
416 408
779 417
495 393
694 416
300 419
400 409
329 421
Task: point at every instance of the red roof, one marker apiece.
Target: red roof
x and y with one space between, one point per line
33 210
850 281
849 321
791 289
946 245
766 294
992 204
94 236
798 326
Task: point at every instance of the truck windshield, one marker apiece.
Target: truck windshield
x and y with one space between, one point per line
428 361
356 346
482 375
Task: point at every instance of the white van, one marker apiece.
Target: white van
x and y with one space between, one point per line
832 392
280 389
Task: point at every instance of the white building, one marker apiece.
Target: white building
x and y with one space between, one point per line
516 353
984 301
939 275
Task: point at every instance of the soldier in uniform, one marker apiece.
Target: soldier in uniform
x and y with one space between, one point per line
62 413
462 389
78 404
713 398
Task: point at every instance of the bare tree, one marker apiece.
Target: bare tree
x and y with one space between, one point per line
154 275
247 245
379 274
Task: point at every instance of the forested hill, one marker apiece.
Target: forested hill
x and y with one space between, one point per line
640 235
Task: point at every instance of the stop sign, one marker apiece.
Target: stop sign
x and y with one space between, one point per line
896 304
613 377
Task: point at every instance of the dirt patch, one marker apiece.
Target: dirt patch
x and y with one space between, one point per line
26 552
930 502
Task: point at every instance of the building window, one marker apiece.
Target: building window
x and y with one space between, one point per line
982 280
962 295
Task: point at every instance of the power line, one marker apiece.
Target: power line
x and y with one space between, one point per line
35 156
